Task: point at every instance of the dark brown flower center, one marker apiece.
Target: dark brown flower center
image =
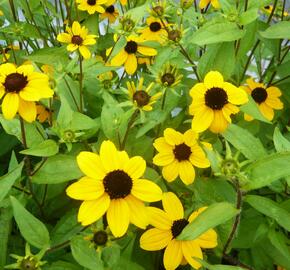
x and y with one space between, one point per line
141 97
110 9
259 94
100 238
131 47
15 82
76 39
174 35
168 79
267 7
91 2
178 226
182 152
155 26
6 50
118 184
216 98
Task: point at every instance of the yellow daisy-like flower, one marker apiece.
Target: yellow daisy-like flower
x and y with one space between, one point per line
155 31
204 3
140 97
213 102
21 87
127 56
91 6
267 98
168 225
113 184
111 13
78 38
178 154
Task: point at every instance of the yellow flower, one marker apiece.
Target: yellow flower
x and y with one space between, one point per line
111 13
78 38
178 154
267 98
204 3
6 52
91 6
213 102
155 30
21 87
113 183
140 97
127 56
168 225
43 113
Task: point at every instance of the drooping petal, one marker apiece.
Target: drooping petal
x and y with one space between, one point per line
191 249
207 239
138 212
85 52
131 64
163 159
86 189
155 239
170 172
202 120
172 255
27 110
267 111
91 211
159 219
90 164
236 95
146 190
146 51
120 58
118 217
273 91
10 105
219 123
274 103
198 157
213 79
172 206
173 137
135 167
186 172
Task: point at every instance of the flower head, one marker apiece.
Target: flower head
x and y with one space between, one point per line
111 13
140 97
21 87
91 6
178 154
113 184
169 76
78 39
204 3
155 30
127 56
267 98
169 224
213 102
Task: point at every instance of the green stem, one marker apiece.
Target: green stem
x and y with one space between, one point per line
81 82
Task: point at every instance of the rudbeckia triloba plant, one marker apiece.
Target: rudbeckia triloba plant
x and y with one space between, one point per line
144 134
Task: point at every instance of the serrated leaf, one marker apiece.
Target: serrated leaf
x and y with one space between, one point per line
46 148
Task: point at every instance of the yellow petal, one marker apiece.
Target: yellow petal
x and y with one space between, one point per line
172 255
120 58
161 145
170 172
146 190
90 164
138 212
27 110
213 79
186 172
85 52
91 211
26 70
191 249
163 159
267 111
172 206
146 51
86 189
10 105
30 94
219 123
215 3
198 157
72 47
207 239
274 103
236 95
76 28
109 156
173 137
202 120
190 137
89 41
203 3
155 239
131 64
135 167
159 219
118 216
64 37
273 91
7 68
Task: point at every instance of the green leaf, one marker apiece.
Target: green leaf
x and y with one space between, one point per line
280 142
85 254
252 109
31 228
217 266
249 16
217 32
278 30
267 170
61 265
46 148
57 169
250 146
271 209
214 215
7 180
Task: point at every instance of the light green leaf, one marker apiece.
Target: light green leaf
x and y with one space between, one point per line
57 169
46 148
85 254
249 16
267 170
278 30
7 180
214 215
271 209
31 228
217 266
250 146
280 142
